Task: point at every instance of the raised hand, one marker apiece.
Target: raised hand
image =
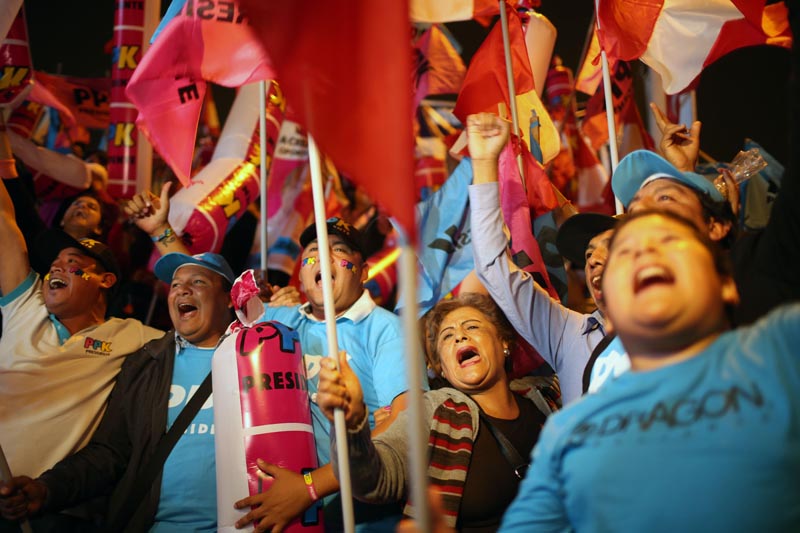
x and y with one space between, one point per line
487 135
150 212
680 146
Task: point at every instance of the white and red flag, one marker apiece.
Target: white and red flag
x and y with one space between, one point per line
679 38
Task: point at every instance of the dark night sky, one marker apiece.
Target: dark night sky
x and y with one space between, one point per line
742 95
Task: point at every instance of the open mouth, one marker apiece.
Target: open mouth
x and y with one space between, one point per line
318 278
186 310
467 356
651 276
56 283
595 281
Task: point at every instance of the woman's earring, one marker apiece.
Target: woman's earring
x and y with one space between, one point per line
506 352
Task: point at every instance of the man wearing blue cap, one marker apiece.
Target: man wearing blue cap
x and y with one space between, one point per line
765 262
153 387
370 335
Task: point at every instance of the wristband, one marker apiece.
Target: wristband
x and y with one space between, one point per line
312 492
167 233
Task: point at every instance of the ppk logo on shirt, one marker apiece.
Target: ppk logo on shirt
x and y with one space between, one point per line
97 346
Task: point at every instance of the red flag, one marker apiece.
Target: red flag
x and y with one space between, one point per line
626 115
486 86
169 84
344 66
655 32
85 100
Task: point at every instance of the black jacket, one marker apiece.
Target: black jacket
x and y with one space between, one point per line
127 436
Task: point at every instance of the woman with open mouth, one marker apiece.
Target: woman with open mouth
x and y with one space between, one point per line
481 433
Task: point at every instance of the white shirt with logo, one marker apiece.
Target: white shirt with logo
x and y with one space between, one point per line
53 386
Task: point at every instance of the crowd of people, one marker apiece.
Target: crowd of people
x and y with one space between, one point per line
677 400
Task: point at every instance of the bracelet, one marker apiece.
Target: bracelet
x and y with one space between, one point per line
312 492
164 236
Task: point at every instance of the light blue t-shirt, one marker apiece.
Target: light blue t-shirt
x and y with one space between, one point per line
609 365
373 340
188 500
708 444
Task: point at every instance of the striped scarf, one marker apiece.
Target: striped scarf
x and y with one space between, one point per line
452 434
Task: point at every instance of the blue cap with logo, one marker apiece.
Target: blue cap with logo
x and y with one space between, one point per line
166 266
640 167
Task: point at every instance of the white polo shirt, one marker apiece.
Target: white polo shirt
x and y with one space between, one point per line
53 386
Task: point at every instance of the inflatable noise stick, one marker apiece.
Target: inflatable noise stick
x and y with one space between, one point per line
7 167
5 475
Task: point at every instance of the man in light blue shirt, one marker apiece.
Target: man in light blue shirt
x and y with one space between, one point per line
563 337
373 340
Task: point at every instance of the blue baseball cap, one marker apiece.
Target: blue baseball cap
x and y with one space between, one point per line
166 266
640 167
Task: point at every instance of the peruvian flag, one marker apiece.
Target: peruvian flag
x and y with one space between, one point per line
679 38
344 66
169 85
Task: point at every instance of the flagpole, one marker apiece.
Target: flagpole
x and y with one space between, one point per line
5 475
262 126
324 252
512 90
144 150
612 129
417 428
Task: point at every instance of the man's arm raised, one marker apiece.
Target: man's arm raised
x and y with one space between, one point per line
14 264
150 214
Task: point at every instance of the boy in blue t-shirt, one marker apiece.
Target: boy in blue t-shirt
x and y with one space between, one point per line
701 434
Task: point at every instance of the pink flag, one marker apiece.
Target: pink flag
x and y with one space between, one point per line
656 32
169 84
517 208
